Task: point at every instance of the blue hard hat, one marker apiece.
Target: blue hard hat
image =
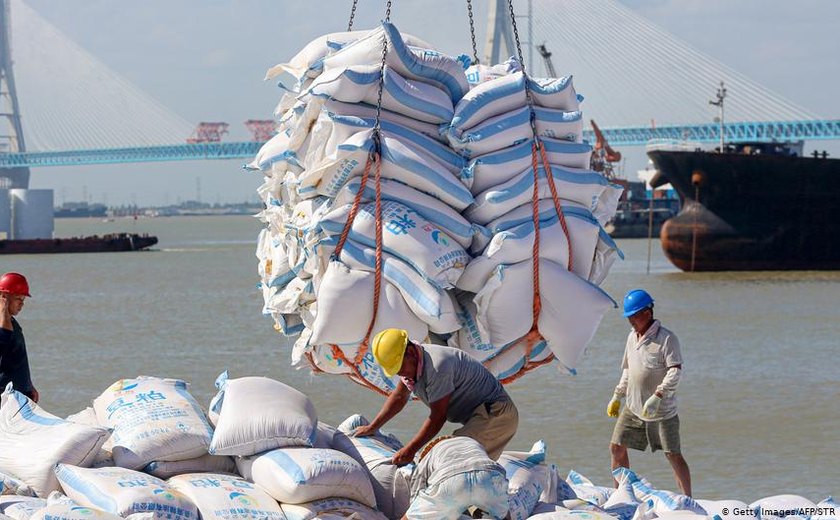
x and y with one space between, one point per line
635 301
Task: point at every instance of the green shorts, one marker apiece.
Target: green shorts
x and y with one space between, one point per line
632 432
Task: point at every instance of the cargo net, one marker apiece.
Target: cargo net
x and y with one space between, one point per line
407 188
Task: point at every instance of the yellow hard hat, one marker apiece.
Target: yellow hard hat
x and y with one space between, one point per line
389 349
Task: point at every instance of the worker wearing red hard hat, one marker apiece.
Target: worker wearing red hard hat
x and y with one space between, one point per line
14 363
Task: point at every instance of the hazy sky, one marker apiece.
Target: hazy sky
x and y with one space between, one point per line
205 60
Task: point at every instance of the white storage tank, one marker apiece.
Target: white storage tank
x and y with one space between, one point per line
32 214
5 214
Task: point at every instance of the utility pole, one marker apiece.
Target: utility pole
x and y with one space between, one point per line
721 95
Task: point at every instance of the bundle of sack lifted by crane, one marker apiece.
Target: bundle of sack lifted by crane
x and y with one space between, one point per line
407 188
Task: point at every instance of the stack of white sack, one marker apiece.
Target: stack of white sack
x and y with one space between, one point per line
272 429
391 484
312 171
491 128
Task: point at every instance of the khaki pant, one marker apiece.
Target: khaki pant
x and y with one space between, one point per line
493 425
632 432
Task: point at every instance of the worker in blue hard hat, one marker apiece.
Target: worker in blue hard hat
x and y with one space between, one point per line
651 371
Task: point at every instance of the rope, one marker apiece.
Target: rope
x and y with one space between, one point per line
472 32
534 334
556 198
431 444
356 376
371 159
377 273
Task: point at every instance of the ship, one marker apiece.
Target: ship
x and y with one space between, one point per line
115 242
750 206
80 210
641 210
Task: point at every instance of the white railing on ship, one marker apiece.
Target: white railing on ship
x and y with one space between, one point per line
673 145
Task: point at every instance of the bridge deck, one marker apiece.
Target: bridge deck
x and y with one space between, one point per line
627 136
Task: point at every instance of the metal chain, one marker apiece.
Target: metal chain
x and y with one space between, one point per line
528 94
472 32
377 140
352 15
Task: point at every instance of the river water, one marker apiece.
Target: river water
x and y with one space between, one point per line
759 399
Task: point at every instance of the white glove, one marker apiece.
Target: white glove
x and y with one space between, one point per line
651 406
614 406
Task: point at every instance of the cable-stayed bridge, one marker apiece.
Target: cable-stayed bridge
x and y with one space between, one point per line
641 83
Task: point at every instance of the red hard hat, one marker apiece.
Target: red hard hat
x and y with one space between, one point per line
14 283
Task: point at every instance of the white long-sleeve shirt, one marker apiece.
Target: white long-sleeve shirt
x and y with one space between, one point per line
648 366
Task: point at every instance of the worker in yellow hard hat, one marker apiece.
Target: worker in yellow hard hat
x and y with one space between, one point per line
455 386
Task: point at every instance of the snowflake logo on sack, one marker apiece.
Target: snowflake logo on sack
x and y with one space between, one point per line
400 225
183 427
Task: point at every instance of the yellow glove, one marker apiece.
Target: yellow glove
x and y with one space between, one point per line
651 406
614 406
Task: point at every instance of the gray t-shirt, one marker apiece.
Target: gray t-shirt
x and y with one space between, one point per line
448 371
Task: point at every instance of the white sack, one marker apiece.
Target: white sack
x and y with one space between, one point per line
514 127
345 308
34 441
391 484
226 497
430 208
522 468
70 511
258 414
338 108
205 464
345 126
479 73
331 509
299 475
360 84
494 168
19 507
585 187
422 63
309 60
781 503
572 308
517 245
399 162
122 491
153 419
432 305
407 235
715 508
508 93
10 485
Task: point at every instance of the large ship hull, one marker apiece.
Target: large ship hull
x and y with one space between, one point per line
94 244
751 212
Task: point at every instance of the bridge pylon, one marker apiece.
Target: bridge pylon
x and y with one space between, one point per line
11 140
